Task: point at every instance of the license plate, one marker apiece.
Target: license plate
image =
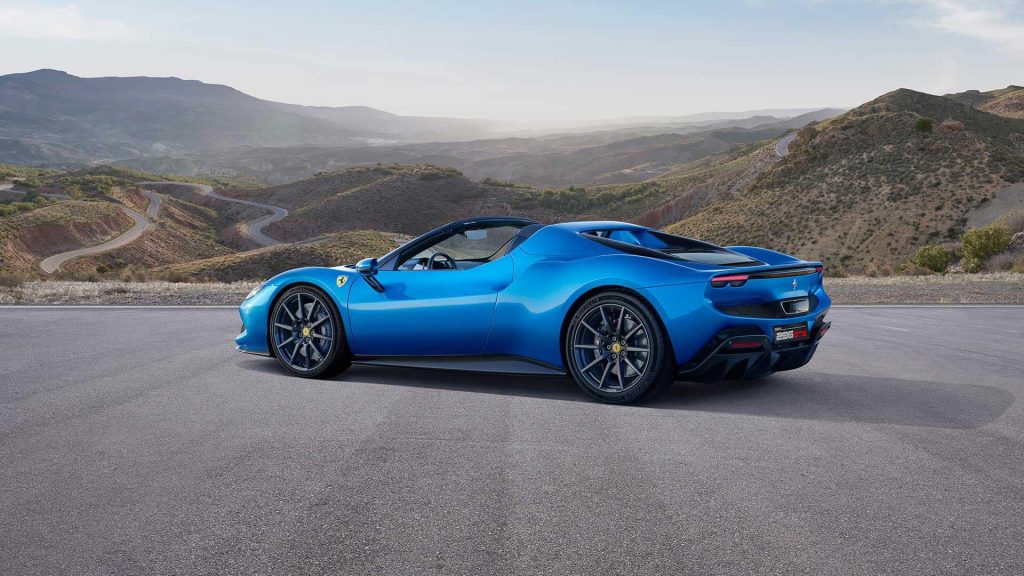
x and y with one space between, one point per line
788 333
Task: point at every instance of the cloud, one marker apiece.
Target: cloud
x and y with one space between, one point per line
58 22
988 21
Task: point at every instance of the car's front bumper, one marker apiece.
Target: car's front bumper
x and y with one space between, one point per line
723 358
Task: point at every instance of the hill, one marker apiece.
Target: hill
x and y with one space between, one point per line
182 232
404 199
26 238
1007 101
867 188
263 263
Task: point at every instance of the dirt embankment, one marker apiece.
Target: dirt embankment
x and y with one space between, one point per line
27 238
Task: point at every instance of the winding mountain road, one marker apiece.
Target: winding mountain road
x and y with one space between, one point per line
53 263
782 146
252 229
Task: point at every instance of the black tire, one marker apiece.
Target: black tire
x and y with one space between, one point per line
616 334
306 335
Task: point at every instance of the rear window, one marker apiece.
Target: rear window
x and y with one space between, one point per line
652 243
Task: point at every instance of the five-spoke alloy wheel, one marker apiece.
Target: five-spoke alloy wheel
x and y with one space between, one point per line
616 350
306 333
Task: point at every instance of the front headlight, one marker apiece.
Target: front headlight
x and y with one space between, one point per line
254 291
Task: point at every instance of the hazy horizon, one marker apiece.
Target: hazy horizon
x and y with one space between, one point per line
568 62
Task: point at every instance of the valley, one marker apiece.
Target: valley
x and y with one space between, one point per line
862 190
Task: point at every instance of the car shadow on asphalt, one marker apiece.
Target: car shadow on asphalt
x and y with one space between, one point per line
803 395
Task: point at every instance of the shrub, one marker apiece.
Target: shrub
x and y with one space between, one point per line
176 276
934 258
911 268
981 243
1001 262
923 125
10 279
971 264
1014 221
501 183
438 173
1019 266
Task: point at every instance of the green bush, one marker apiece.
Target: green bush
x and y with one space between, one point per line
923 125
934 258
501 183
971 264
981 243
10 279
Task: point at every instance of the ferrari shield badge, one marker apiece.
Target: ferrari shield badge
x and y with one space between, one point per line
341 280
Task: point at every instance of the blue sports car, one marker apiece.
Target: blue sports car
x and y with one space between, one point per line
623 309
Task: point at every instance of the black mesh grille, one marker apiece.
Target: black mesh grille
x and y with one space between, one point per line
771 309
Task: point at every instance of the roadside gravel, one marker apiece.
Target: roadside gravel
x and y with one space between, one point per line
126 293
995 288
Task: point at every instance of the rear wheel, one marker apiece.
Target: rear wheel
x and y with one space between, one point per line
306 333
617 351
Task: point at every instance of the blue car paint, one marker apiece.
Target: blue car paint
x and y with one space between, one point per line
518 304
427 312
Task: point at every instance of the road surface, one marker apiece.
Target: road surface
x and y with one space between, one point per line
141 223
253 229
782 146
138 441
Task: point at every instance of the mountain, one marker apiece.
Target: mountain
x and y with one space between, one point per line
52 118
592 158
864 190
392 127
49 117
1007 101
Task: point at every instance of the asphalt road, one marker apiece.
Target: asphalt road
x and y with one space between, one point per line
53 263
782 145
253 229
138 442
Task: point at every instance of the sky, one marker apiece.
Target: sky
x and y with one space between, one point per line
528 61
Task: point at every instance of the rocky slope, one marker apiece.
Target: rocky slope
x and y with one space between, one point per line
867 188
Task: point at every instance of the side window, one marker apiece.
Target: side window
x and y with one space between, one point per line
464 250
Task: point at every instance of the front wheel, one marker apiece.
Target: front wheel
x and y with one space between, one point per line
617 351
306 333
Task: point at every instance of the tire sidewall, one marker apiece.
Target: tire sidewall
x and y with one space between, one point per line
660 349
337 357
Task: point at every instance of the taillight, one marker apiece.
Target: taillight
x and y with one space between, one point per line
733 280
818 269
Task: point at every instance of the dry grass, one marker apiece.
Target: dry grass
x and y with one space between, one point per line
126 293
996 288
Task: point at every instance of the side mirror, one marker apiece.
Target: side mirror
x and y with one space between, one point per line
366 266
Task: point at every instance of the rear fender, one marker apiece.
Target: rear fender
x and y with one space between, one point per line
530 313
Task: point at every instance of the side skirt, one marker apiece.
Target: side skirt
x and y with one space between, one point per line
486 364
